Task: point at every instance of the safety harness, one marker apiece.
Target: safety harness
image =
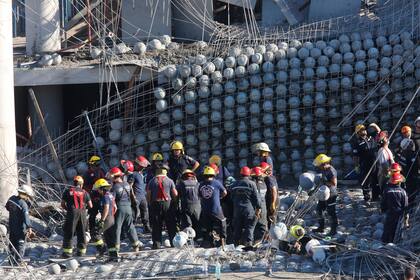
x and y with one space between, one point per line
161 195
78 198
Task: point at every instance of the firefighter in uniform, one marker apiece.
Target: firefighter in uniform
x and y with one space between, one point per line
93 173
160 191
124 215
157 161
394 202
246 208
271 194
75 200
19 222
295 240
385 158
261 226
190 202
179 161
364 155
106 222
139 188
329 178
127 167
212 218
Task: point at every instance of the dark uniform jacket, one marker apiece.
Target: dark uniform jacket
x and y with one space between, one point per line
245 195
394 200
76 198
364 149
178 165
18 215
122 192
139 185
271 183
188 192
160 188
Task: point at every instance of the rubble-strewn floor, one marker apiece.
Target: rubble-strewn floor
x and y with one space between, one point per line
360 226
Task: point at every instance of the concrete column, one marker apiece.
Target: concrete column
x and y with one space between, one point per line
8 170
50 99
42 21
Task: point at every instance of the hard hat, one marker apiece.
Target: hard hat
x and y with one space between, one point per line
359 127
215 159
256 171
417 120
262 147
264 166
323 193
208 171
381 136
26 189
142 161
395 167
297 231
101 183
115 172
78 180
177 145
188 172
396 178
406 143
94 160
321 159
214 166
157 157
405 129
127 166
245 171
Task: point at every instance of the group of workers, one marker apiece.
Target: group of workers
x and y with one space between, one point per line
180 194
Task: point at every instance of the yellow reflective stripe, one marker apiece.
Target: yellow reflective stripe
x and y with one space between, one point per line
99 242
68 250
117 246
83 251
293 231
113 249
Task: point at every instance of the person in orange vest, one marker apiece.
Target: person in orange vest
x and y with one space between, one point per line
75 200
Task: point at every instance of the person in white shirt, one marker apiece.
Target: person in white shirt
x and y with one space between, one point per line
385 158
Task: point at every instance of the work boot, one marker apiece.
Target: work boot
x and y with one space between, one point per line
113 256
80 254
156 245
101 250
66 255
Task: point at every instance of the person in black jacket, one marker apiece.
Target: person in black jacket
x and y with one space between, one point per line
179 161
190 201
394 202
19 223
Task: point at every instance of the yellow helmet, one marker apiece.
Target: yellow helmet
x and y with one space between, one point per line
101 183
209 171
157 157
215 159
177 145
359 127
94 160
297 231
321 159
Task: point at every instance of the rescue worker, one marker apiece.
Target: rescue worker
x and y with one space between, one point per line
139 188
75 200
157 161
407 158
394 202
246 208
127 167
107 220
263 152
212 218
271 194
160 191
416 165
406 132
19 223
124 214
329 178
190 202
179 161
385 158
223 173
93 173
364 155
261 225
295 240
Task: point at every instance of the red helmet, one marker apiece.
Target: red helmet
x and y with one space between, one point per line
115 172
142 161
257 171
395 167
245 171
396 178
264 166
127 166
215 167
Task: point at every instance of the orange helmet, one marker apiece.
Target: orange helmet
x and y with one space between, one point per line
78 180
395 167
396 179
405 129
245 171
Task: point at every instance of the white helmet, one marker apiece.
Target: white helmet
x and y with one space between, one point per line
26 189
417 120
323 193
262 147
405 143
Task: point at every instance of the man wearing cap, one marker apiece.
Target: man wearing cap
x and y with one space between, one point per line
19 223
246 208
212 218
394 202
160 192
157 161
190 201
179 161
271 194
139 188
364 152
263 153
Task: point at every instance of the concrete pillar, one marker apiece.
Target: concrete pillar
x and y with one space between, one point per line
42 22
50 99
8 170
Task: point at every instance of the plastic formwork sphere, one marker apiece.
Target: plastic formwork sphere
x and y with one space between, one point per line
254 108
282 64
240 71
217 89
356 46
114 135
257 58
295 74
229 73
268 93
309 62
321 85
386 50
241 111
291 52
280 54
196 70
269 56
303 53
322 71
360 55
360 67
243 84
308 73
359 80
294 63
282 76
127 139
281 91
256 80
345 48
230 87
204 80
161 105
228 114
234 51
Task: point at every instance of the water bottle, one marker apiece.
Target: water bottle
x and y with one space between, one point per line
217 271
205 268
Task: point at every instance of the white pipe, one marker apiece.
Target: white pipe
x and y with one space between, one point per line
8 170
